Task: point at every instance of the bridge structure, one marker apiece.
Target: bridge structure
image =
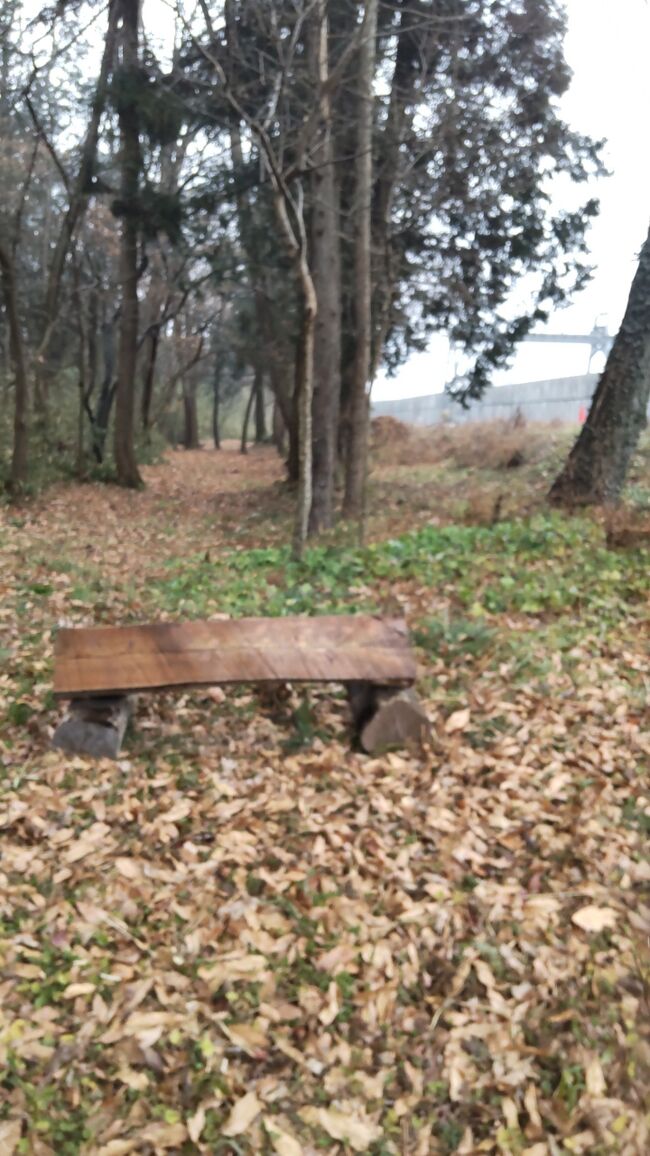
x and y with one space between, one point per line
599 340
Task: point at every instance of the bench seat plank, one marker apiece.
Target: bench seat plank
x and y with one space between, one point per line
337 648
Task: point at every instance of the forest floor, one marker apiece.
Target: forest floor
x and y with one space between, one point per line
246 937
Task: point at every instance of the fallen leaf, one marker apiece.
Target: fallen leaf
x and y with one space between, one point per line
531 1106
581 1142
235 967
89 842
457 721
9 1136
283 1143
592 918
594 1078
117 1147
242 1115
177 813
509 1109
75 989
137 1081
332 1007
352 1128
163 1135
249 1037
195 1125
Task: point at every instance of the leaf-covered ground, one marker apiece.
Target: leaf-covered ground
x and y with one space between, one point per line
245 936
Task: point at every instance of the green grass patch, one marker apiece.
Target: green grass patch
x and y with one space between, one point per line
549 566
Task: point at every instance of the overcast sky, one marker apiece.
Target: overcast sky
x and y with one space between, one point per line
607 48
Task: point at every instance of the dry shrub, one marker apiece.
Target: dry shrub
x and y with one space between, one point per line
626 528
483 507
492 445
389 434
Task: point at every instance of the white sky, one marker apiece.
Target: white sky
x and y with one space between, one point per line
607 48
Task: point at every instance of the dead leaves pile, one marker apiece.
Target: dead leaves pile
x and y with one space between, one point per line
219 946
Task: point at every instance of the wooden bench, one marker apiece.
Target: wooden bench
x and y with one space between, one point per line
99 669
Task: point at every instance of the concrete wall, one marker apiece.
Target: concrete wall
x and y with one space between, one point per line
561 399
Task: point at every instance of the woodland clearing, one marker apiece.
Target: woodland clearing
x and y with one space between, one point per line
246 937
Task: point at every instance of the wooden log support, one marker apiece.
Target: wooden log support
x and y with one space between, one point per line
94 726
386 717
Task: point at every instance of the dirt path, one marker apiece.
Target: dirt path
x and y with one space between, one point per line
192 501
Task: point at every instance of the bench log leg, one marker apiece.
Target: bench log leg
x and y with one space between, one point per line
387 716
94 726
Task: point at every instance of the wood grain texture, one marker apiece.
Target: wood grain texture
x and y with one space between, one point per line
121 659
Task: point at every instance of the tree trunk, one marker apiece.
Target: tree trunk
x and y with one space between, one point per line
216 398
153 338
293 432
19 458
597 466
277 370
125 461
191 427
304 393
357 449
243 448
82 368
93 317
279 428
326 272
260 412
102 413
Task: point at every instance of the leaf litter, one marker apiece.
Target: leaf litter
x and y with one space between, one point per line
229 942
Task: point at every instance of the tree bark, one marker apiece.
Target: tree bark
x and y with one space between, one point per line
93 317
277 373
82 368
125 461
153 338
326 272
243 448
357 448
102 412
191 426
216 399
597 466
260 411
20 452
279 428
